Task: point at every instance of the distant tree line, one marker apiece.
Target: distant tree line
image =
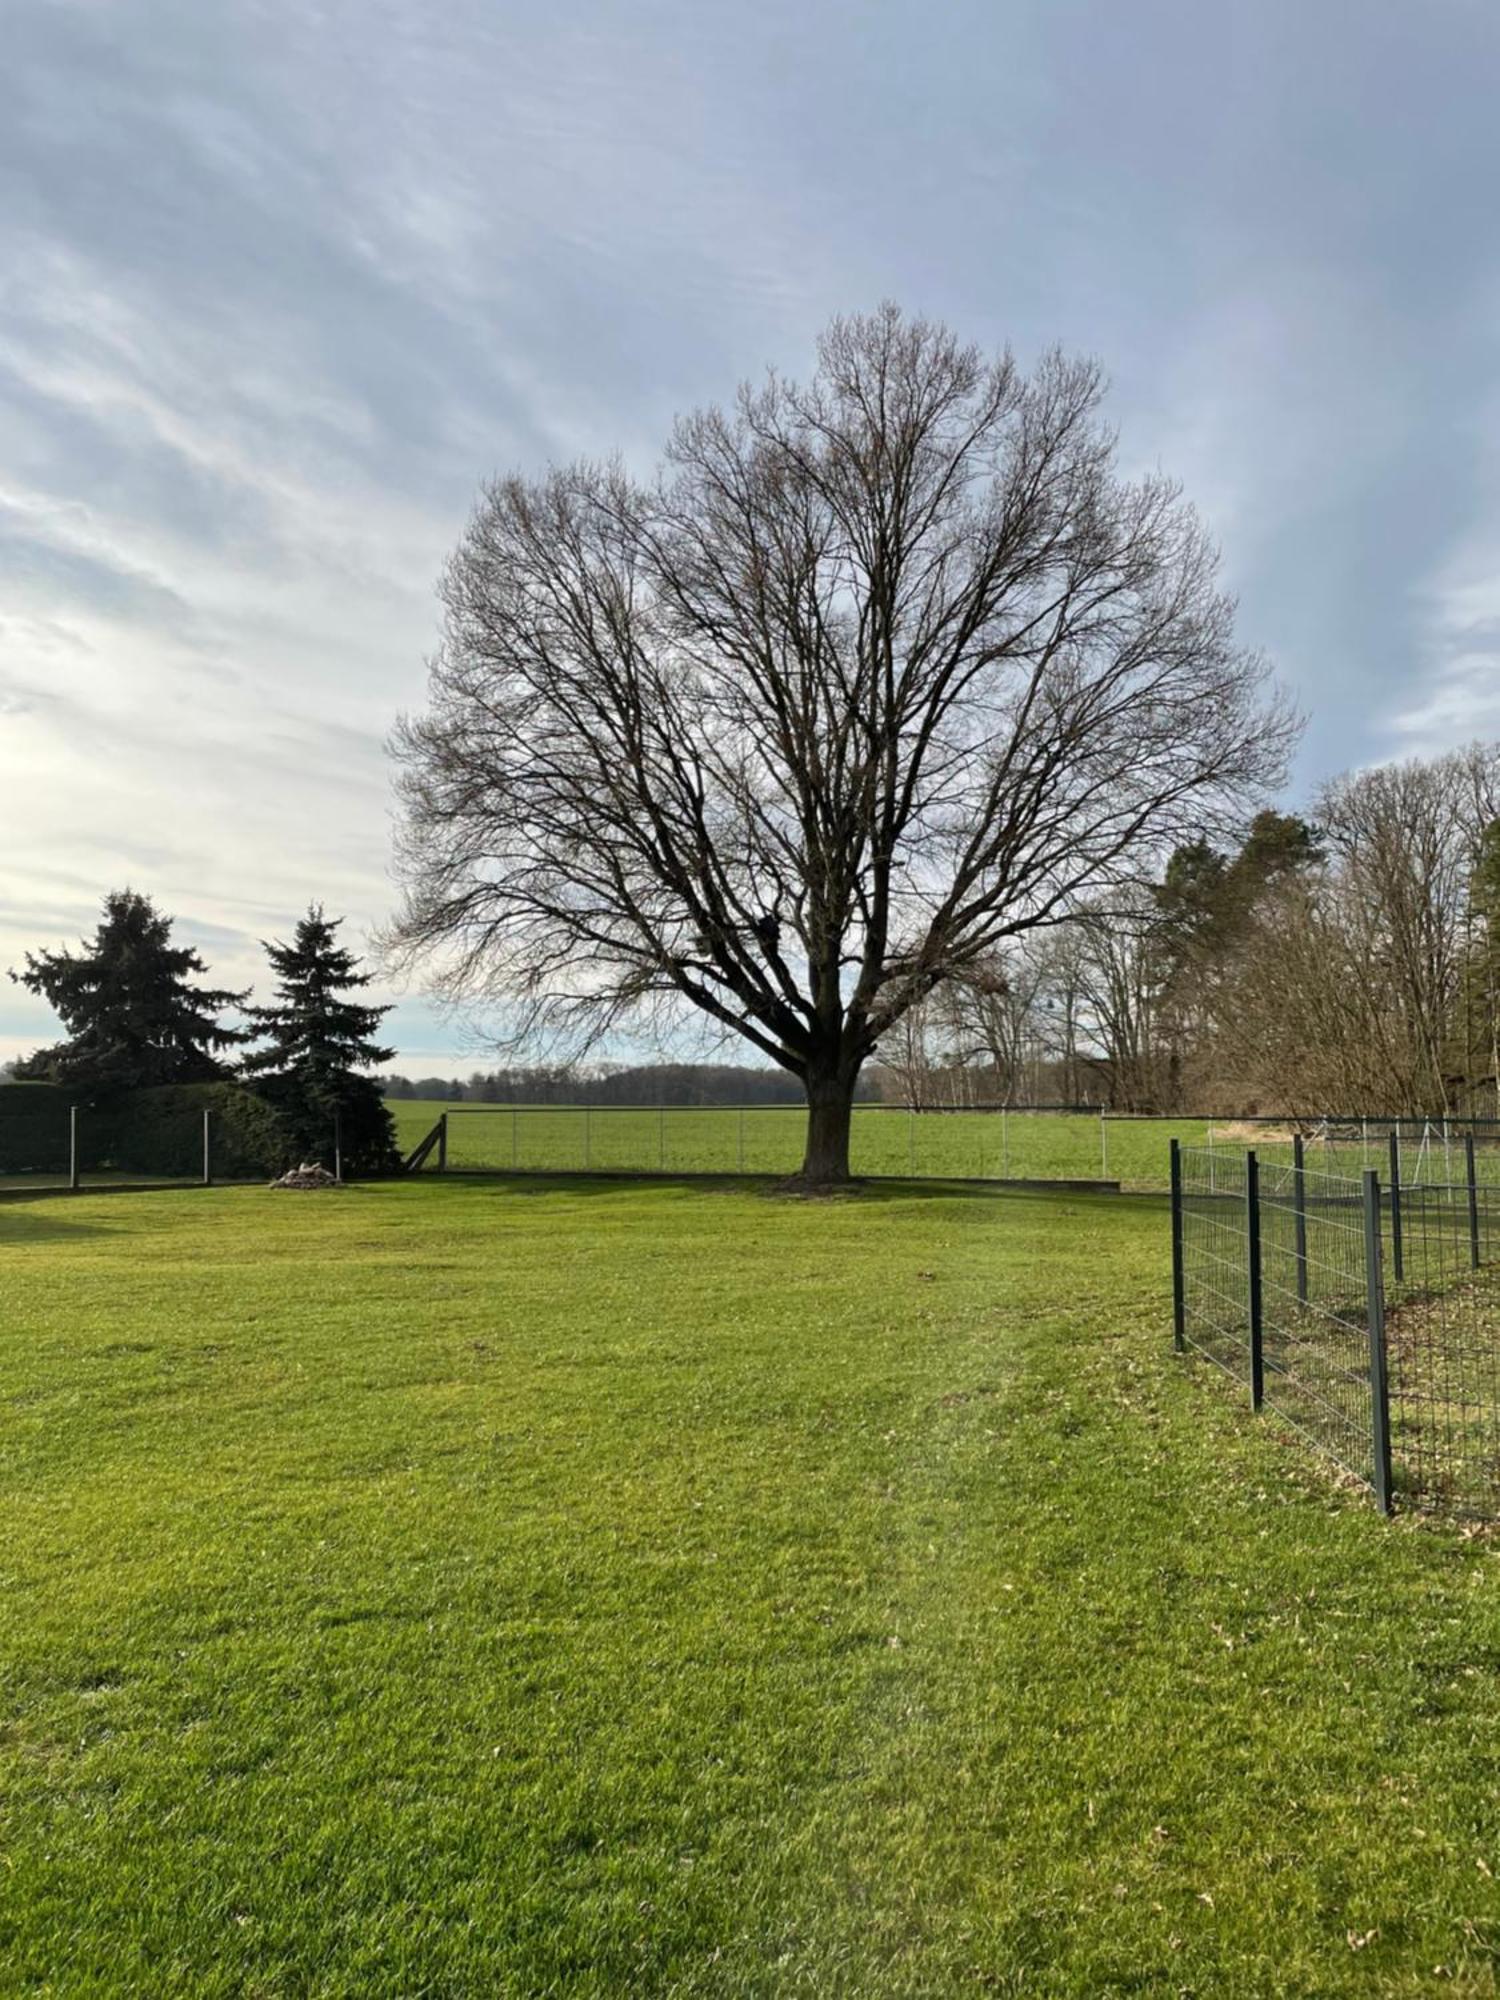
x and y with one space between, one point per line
644 1083
136 1017
1348 961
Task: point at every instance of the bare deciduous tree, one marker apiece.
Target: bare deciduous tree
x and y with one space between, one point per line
1119 975
1402 855
881 671
1350 987
908 1061
999 1018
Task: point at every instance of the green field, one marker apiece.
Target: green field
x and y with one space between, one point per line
1022 1145
539 1588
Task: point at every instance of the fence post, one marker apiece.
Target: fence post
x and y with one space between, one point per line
1299 1212
443 1144
742 1138
1380 1399
1004 1144
1103 1146
1398 1261
1252 1247
208 1172
1473 1183
338 1144
911 1144
1179 1294
515 1137
588 1138
661 1138
73 1148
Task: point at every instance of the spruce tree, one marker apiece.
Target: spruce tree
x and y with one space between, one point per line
126 998
318 1040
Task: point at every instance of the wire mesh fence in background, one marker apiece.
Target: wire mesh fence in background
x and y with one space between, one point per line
886 1141
73 1147
1363 1309
1431 1149
974 1143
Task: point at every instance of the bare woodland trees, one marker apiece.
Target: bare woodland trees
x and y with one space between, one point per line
1364 985
882 672
1347 966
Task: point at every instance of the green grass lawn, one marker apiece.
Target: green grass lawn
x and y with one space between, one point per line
985 1145
577 1588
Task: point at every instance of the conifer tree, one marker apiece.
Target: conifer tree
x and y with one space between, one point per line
318 1041
126 998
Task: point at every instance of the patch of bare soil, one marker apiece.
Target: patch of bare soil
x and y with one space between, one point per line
1249 1135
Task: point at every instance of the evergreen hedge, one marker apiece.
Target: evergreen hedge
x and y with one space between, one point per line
156 1133
34 1128
160 1132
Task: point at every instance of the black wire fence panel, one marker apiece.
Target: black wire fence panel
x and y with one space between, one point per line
1442 1323
1315 1314
1365 1311
1431 1149
1214 1224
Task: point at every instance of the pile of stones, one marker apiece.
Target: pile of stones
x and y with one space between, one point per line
309 1175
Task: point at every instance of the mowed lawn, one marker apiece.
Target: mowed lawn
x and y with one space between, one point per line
1017 1145
544 1588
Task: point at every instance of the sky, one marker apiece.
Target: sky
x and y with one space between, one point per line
281 283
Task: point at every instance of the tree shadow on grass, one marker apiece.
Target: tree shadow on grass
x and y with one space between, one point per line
859 1194
22 1223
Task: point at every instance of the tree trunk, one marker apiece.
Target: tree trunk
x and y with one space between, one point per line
830 1104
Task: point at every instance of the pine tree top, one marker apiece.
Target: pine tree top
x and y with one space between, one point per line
310 1029
126 998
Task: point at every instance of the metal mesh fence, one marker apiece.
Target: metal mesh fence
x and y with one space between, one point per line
885 1142
118 1146
1315 1328
1363 1311
1442 1325
1212 1226
1430 1149
62 1146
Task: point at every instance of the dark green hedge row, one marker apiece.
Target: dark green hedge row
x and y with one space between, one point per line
33 1128
160 1131
156 1133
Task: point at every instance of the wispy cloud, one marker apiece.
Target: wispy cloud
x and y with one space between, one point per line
279 285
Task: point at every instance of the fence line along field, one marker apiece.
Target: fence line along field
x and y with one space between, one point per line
762 1139
1361 1306
891 1142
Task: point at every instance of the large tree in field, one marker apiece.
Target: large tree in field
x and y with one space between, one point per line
319 1040
126 997
879 672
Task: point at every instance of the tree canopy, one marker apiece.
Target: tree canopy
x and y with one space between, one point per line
879 672
126 997
318 1041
